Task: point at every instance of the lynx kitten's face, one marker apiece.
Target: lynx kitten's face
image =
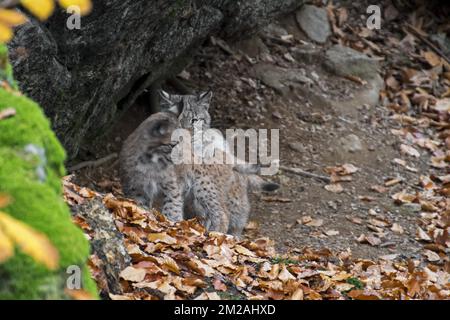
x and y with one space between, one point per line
192 109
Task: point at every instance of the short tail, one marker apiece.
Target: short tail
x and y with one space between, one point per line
256 183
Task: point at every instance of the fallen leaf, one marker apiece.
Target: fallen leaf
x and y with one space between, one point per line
432 58
161 237
314 223
31 242
405 149
133 274
397 228
252 225
285 275
242 250
219 285
403 197
431 256
422 235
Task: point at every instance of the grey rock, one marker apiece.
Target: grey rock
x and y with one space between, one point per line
314 22
86 79
412 207
297 146
344 61
39 152
351 143
280 78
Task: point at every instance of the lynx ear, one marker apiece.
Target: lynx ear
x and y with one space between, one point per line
206 96
165 96
168 104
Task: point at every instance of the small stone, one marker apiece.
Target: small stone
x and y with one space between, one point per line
351 143
276 115
413 207
314 22
345 61
297 146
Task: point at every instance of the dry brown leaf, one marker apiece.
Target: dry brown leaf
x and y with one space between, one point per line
397 228
405 149
298 294
243 250
315 223
219 285
422 235
133 274
431 256
432 58
403 197
252 225
161 237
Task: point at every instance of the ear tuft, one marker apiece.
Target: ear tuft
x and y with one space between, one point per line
164 95
206 96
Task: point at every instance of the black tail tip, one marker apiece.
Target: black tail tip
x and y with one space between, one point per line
270 186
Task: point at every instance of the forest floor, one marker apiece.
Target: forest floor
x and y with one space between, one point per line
382 137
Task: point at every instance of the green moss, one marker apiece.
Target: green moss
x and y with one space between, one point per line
37 201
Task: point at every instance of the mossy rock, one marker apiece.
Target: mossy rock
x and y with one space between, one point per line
31 167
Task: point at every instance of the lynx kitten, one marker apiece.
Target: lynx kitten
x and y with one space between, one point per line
216 193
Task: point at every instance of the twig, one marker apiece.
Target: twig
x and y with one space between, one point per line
424 39
7 113
93 163
306 174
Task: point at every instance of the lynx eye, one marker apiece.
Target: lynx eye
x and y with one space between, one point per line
160 129
194 120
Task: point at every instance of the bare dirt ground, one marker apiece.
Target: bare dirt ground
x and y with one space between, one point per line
325 120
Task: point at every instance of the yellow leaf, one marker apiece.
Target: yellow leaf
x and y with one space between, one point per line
11 17
31 242
6 33
6 247
40 8
84 5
